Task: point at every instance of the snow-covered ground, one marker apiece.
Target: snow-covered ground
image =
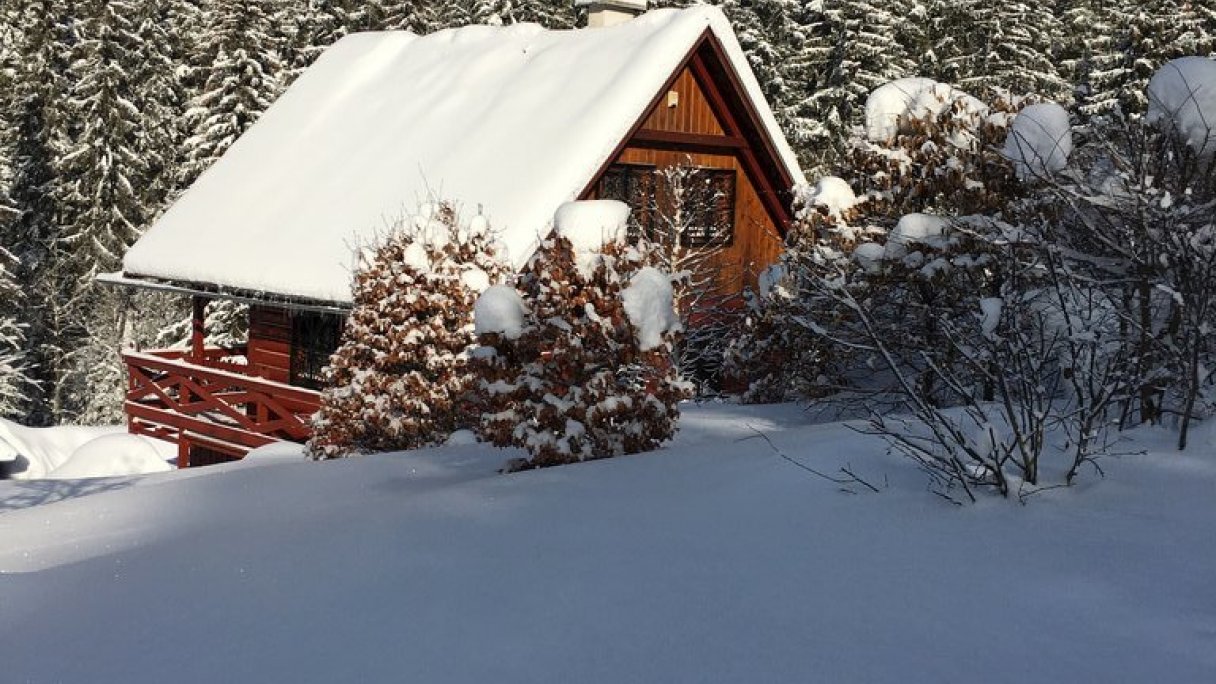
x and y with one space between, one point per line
712 560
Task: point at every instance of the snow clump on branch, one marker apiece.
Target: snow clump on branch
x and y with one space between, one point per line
832 194
648 303
499 310
1182 97
589 225
1040 141
894 104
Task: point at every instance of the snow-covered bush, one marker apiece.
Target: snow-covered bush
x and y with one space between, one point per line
590 373
927 156
917 299
1134 219
399 379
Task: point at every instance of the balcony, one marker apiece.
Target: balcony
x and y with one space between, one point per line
204 401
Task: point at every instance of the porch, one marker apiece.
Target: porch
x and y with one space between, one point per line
209 401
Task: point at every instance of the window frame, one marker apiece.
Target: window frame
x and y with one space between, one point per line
628 176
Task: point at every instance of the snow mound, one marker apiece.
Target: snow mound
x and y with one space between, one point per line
893 104
31 453
1182 97
1039 141
915 229
990 314
462 438
649 304
112 456
414 255
499 310
833 194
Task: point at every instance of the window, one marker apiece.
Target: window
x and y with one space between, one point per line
706 197
314 338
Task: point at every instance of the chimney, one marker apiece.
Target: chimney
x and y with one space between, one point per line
610 12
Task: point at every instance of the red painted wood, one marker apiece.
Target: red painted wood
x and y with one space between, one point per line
198 327
172 399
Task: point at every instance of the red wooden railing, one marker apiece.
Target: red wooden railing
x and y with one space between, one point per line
211 404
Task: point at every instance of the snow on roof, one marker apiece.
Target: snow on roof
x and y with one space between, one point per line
512 120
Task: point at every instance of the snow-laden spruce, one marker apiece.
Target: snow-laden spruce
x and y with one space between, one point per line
14 375
1040 140
1182 100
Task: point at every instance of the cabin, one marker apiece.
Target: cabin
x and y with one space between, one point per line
509 122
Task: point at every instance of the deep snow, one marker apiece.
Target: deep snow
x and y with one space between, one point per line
713 560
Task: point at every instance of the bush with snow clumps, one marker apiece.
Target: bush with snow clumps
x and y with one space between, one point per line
399 379
590 374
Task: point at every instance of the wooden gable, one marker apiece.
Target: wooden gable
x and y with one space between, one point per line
703 117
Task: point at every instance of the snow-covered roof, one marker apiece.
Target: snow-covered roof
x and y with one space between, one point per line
513 120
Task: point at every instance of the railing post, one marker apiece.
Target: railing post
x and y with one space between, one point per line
198 329
183 451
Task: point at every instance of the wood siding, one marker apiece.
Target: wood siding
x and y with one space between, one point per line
269 347
692 114
695 133
757 242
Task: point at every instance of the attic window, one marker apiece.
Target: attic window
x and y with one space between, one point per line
706 211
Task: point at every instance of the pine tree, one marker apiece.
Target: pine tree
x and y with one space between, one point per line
400 377
14 376
41 125
1005 46
313 26
547 13
396 15
457 13
242 64
108 163
865 52
1096 57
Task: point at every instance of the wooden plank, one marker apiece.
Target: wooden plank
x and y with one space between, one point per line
695 141
270 359
265 345
203 427
146 360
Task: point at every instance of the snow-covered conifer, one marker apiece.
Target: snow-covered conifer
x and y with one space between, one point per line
241 69
554 15
399 380
312 26
395 15
14 376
